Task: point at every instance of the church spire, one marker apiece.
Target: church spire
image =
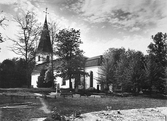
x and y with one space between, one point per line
45 23
45 46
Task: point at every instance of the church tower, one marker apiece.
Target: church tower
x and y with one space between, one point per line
44 50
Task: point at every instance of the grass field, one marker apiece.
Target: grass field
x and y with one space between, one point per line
19 114
68 106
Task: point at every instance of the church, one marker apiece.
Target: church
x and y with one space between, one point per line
92 67
44 60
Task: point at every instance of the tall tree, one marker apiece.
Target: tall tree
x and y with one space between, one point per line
158 52
2 19
135 68
26 43
108 68
68 42
159 48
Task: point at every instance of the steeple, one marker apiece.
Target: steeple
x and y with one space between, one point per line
45 46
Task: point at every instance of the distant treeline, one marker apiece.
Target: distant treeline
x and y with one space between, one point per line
133 71
13 73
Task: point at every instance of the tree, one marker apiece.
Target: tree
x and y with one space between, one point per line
135 71
68 42
108 68
7 73
20 71
158 53
1 39
1 24
13 73
152 73
123 73
26 43
42 82
122 67
159 48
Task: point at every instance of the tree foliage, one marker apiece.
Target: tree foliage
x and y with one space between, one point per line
158 53
12 73
42 81
108 68
68 42
158 48
124 68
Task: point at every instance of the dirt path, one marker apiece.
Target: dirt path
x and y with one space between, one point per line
44 106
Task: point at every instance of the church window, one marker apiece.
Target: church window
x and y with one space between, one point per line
91 79
47 58
63 82
39 58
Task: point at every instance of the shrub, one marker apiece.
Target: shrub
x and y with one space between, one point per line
91 90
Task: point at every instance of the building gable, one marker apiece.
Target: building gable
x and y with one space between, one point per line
94 61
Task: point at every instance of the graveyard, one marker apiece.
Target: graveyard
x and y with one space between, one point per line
36 106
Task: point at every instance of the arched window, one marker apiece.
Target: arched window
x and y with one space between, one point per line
39 58
91 78
63 81
47 59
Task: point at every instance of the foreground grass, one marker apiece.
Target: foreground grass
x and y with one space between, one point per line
67 106
20 114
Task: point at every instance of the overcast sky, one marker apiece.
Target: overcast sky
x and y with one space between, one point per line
103 23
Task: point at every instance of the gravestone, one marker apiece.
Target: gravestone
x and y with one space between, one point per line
111 88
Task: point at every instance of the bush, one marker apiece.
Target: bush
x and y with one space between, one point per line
91 89
67 89
87 92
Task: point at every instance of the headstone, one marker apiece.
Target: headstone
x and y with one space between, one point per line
58 88
80 87
111 88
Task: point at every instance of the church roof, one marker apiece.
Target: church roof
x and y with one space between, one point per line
45 46
45 65
94 61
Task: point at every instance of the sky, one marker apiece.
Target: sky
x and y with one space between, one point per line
103 24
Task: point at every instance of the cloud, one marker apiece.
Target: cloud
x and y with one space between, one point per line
134 29
103 27
26 5
8 2
98 47
131 15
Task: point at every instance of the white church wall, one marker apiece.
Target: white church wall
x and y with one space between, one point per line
60 82
95 70
34 80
